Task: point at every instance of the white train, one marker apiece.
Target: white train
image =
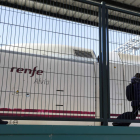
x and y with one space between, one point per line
60 81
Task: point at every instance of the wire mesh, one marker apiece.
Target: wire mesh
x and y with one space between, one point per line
49 68
124 63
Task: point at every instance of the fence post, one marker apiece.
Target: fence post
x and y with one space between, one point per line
104 66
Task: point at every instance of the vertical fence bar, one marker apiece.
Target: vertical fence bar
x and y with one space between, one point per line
100 66
104 66
107 51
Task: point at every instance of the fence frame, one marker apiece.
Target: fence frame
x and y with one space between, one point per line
104 65
101 119
104 82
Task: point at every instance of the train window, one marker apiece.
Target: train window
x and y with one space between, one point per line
83 54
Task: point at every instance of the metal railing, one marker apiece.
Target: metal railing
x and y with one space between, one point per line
58 61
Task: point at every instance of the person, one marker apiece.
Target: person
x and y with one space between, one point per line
136 91
132 94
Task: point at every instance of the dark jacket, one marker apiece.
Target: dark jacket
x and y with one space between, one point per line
136 89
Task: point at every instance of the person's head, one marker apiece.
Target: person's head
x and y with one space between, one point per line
137 75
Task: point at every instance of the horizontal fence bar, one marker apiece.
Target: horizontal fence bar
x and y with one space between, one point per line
51 119
123 121
89 2
122 10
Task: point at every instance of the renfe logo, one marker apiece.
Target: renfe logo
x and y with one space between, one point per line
20 70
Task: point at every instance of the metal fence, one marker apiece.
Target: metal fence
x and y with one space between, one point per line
47 66
124 60
66 60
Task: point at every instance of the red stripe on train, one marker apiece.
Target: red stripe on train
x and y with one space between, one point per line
52 111
46 116
43 111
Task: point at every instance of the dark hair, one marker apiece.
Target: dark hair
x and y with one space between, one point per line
137 75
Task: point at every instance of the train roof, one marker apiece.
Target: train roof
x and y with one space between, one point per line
70 52
53 50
